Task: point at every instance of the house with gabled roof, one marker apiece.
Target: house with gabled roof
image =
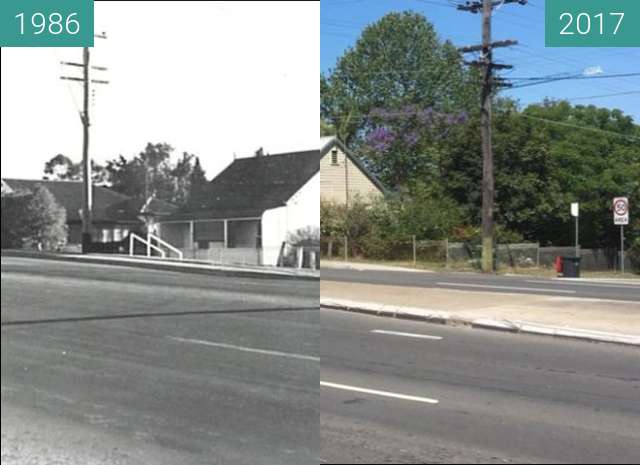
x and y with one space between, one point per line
343 177
249 210
114 215
5 188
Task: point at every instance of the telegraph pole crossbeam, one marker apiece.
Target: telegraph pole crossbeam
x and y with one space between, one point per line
489 82
87 191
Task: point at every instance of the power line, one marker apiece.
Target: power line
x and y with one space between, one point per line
577 78
632 92
606 76
576 126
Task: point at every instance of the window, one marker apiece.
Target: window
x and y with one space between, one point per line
209 231
334 157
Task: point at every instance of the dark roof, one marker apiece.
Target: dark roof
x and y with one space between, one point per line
327 144
250 186
153 206
108 206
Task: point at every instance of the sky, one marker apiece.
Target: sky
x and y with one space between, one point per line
342 21
210 78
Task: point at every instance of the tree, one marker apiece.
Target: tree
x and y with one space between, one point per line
12 219
181 174
150 173
198 183
588 166
409 143
397 61
33 219
326 129
62 168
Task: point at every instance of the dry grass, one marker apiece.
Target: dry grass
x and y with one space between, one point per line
536 272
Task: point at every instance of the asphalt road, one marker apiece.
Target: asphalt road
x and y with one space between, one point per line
113 365
490 283
501 398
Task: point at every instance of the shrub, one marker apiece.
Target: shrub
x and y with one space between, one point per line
308 237
634 255
13 207
33 220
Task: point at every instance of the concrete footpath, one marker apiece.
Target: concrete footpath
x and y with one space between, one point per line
183 266
570 317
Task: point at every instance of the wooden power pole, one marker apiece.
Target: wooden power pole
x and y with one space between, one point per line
488 83
87 190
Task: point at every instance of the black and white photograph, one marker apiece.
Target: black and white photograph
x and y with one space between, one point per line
160 239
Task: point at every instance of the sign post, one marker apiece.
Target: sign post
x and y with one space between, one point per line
575 212
621 218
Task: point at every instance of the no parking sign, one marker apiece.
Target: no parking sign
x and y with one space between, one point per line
621 211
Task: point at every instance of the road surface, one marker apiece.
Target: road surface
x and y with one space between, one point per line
454 395
113 365
491 283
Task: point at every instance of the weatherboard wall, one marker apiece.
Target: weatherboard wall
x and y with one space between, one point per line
344 180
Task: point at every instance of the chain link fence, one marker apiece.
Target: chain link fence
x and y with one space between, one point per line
465 255
443 253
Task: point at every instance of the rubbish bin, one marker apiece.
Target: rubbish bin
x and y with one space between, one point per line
571 267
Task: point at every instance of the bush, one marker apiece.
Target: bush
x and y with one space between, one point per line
307 237
33 220
634 255
13 207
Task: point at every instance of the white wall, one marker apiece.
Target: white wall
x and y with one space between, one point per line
302 210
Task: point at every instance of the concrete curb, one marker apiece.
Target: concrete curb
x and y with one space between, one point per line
445 318
338 265
171 265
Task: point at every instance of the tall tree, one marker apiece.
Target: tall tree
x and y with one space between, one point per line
62 168
181 174
198 183
147 174
397 61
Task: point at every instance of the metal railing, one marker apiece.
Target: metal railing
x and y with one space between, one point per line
165 244
132 242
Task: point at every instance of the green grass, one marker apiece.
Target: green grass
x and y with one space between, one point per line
441 266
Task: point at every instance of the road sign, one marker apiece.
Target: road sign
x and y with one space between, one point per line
575 212
621 211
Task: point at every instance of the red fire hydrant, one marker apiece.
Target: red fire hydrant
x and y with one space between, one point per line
559 264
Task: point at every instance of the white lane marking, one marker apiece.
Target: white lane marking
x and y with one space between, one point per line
573 283
393 395
416 336
219 345
510 288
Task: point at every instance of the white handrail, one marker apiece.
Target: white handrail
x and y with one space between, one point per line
165 244
133 237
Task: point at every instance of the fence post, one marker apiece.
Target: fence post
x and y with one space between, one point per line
538 255
414 250
446 246
346 249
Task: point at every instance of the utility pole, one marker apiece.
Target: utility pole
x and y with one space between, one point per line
87 190
488 83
